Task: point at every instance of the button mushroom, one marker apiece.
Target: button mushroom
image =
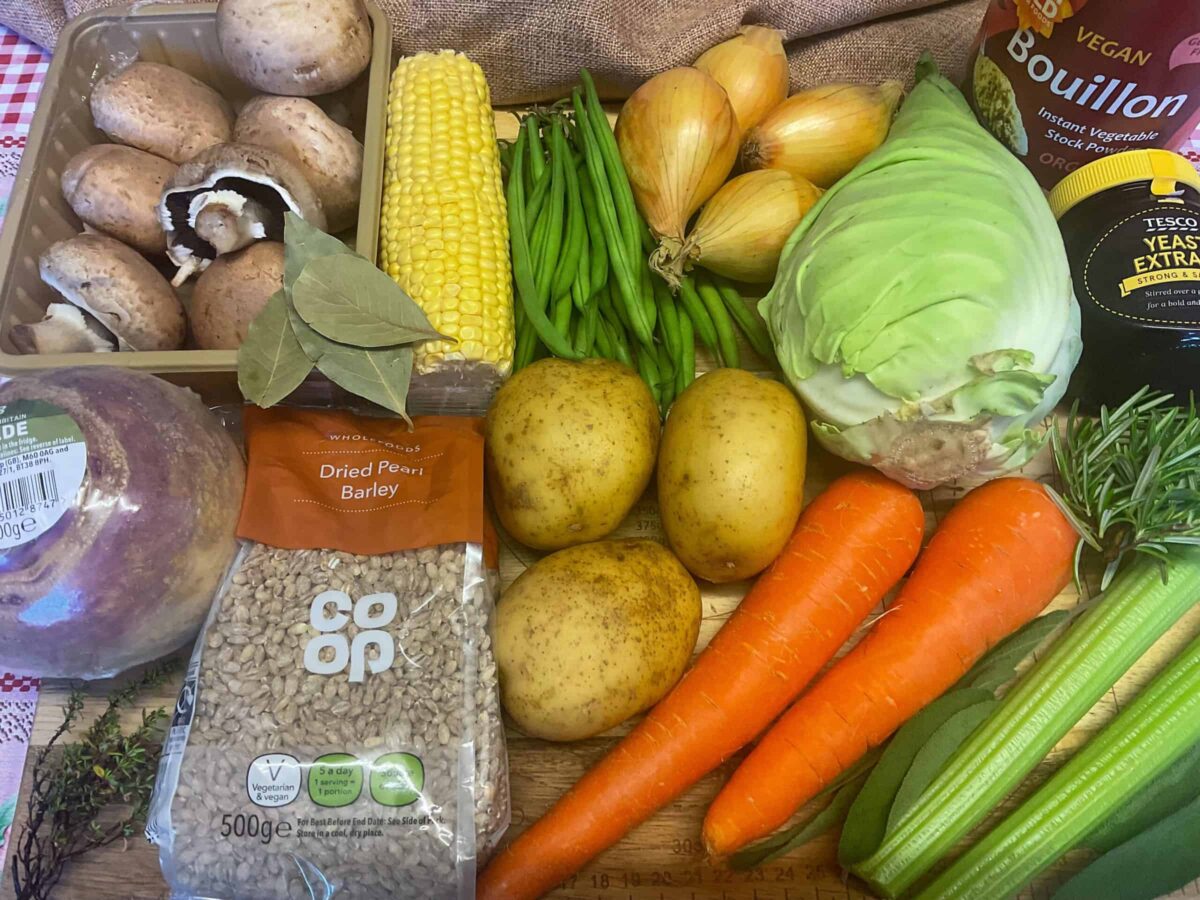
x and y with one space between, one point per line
161 110
232 292
328 154
228 197
116 284
66 329
116 190
297 49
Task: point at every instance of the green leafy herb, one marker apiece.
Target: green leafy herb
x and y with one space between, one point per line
338 312
788 840
1161 859
75 788
349 300
381 376
932 757
868 817
1130 479
999 666
271 362
1165 795
302 244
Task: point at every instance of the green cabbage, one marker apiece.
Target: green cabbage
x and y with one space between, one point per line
923 308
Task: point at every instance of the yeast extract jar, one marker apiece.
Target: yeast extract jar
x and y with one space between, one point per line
1131 225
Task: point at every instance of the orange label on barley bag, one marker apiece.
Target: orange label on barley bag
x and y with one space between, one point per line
332 480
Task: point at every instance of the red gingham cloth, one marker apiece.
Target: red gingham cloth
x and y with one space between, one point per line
22 71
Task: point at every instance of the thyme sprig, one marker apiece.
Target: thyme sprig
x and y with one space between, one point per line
1131 478
91 792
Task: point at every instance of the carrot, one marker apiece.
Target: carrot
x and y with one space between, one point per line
1001 555
851 545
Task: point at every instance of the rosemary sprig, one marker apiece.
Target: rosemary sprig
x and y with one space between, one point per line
76 788
1131 478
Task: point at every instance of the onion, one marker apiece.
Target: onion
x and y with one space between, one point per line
741 231
678 139
753 69
823 132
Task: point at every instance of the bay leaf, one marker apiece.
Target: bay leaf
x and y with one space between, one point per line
1159 861
867 820
1177 786
797 836
271 362
931 759
999 665
302 243
381 376
314 343
349 300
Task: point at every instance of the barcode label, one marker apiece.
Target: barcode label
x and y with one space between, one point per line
22 492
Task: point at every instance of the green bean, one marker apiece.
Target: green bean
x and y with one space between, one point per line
583 274
749 321
701 320
603 340
537 152
649 309
620 345
668 317
535 311
628 278
666 370
553 216
726 339
567 266
539 174
618 313
527 344
617 177
585 337
562 314
598 268
647 367
686 373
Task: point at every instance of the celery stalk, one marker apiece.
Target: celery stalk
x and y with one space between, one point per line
1079 668
1139 744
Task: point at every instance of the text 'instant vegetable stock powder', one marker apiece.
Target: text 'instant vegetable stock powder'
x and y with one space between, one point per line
1064 82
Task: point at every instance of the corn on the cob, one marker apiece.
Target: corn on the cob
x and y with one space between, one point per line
444 227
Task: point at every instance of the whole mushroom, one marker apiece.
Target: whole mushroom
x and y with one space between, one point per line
329 155
116 285
232 292
228 197
65 329
297 49
116 190
161 110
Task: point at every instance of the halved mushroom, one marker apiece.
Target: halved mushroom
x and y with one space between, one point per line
116 190
329 155
228 197
116 285
161 110
65 329
298 49
232 292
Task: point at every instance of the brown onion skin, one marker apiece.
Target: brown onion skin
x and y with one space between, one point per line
129 572
678 139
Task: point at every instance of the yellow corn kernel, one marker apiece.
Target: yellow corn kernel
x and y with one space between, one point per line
444 225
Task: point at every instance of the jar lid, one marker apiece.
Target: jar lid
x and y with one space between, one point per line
1160 166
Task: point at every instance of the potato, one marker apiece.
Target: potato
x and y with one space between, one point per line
570 448
591 635
731 474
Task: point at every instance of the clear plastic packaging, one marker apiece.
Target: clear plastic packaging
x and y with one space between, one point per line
339 730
